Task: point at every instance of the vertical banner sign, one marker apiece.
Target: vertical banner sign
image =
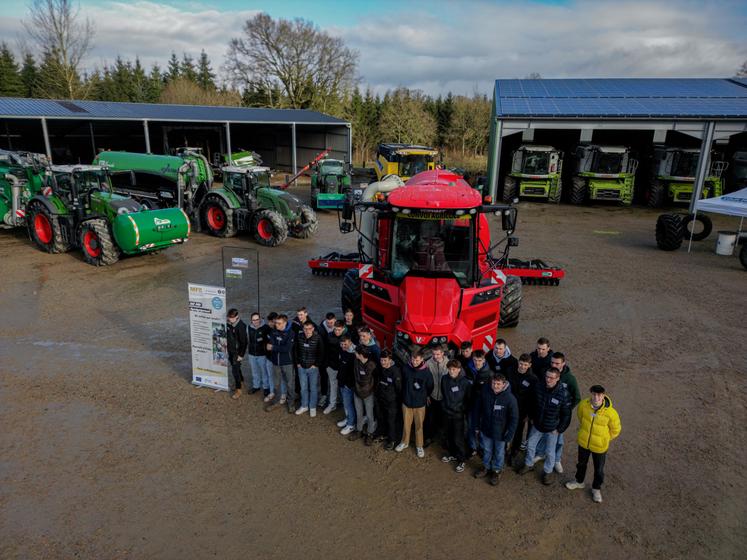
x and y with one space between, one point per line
207 321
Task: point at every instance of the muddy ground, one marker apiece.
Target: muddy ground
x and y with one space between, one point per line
107 451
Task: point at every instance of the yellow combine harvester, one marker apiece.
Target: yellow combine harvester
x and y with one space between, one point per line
404 160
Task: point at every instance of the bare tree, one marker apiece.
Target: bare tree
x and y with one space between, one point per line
63 37
312 68
404 118
183 91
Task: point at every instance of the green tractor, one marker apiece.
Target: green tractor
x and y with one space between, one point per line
21 177
330 184
535 173
674 176
603 173
78 208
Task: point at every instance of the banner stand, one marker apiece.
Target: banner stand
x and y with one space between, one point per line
207 321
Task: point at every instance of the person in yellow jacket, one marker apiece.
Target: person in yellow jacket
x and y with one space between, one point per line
599 424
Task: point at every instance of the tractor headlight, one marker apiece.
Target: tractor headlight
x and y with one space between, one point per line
473 211
459 212
406 211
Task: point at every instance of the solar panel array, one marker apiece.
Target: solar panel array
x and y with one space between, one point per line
622 98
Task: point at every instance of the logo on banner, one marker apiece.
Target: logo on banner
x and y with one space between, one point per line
217 303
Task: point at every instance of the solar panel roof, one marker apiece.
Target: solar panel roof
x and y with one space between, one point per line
696 98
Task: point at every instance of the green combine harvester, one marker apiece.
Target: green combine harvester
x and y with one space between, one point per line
78 208
330 184
674 176
21 177
244 202
604 173
535 173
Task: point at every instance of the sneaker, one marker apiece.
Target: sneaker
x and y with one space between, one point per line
401 447
346 430
459 468
420 451
253 390
548 478
448 459
379 438
472 453
573 485
389 446
538 458
291 409
312 412
283 399
322 401
495 478
558 468
523 446
596 495
330 408
236 394
354 435
482 472
269 397
525 469
301 411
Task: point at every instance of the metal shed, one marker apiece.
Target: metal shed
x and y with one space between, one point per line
74 131
710 110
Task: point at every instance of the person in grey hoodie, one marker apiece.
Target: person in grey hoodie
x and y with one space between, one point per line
434 418
500 359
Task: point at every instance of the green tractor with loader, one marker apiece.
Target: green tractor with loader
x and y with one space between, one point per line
21 177
674 176
331 181
603 173
77 208
535 173
244 202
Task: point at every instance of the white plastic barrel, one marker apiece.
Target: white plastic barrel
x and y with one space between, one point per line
725 243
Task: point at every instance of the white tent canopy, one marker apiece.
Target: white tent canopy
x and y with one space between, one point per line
732 204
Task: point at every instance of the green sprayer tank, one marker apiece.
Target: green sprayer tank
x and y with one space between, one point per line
151 230
168 167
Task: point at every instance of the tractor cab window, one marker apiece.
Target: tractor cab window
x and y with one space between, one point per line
412 165
88 181
536 163
427 247
740 166
684 164
333 168
259 179
607 163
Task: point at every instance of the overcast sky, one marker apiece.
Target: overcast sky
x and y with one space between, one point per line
441 46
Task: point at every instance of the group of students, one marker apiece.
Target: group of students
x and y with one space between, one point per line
491 404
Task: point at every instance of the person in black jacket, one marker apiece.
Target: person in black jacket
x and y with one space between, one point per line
236 342
352 325
388 398
258 334
523 384
455 391
417 384
500 359
465 354
346 377
332 363
309 354
282 341
270 396
325 330
550 415
498 417
541 357
478 372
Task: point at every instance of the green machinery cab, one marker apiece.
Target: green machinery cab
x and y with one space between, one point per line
674 176
21 177
535 173
330 183
604 173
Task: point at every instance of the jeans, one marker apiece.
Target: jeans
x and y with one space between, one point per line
332 385
364 407
493 453
348 401
258 365
558 448
537 438
268 382
583 461
309 378
285 375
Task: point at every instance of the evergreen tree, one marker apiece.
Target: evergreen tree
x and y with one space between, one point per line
29 75
187 68
205 74
154 85
174 69
11 84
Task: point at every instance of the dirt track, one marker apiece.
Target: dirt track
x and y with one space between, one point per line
107 451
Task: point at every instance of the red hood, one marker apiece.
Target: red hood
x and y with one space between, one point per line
431 307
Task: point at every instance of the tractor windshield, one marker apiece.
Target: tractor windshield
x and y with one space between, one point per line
684 164
433 247
259 179
607 163
740 166
412 165
92 181
333 168
536 163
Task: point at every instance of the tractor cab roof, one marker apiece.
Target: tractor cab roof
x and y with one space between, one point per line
534 148
244 169
391 150
436 189
610 149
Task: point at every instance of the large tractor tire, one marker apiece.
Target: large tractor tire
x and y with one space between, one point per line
269 228
217 218
509 190
45 229
670 232
309 222
97 243
579 190
351 292
315 199
656 194
510 303
555 196
743 256
699 233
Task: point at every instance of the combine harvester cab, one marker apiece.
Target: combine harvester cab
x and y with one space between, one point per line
535 173
674 176
77 208
426 275
404 160
604 173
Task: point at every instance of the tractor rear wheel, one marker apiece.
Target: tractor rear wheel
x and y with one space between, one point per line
698 234
656 194
743 256
555 196
96 241
509 190
578 190
269 228
510 303
45 229
670 232
217 218
351 292
309 223
315 199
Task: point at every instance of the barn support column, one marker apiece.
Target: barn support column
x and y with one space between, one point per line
47 146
